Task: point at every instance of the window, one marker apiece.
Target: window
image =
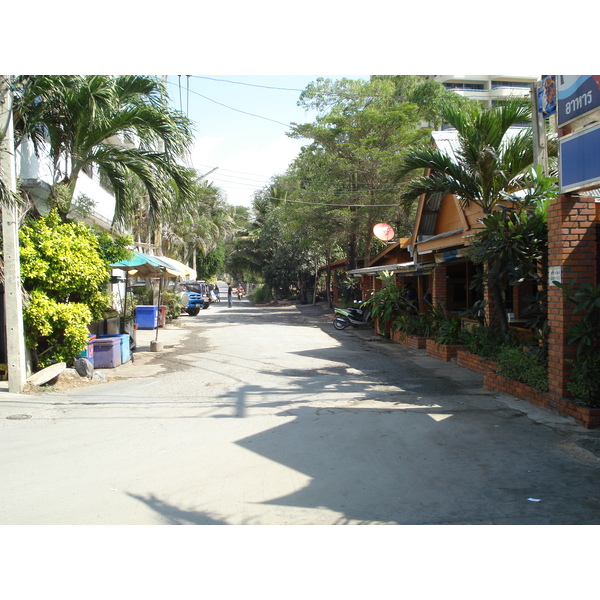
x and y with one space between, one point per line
464 86
520 85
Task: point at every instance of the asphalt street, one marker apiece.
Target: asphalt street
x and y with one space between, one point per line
266 415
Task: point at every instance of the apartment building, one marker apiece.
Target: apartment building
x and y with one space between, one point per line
488 89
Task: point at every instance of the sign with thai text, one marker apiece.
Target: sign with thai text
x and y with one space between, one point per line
554 274
577 95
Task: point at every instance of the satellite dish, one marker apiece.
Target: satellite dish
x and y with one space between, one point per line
383 232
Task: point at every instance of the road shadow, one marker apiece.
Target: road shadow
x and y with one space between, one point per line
402 466
175 515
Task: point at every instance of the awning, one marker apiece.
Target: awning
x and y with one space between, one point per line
178 267
142 264
409 267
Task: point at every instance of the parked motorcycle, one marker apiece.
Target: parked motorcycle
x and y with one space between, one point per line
355 317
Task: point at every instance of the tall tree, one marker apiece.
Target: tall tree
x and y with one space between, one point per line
365 130
121 125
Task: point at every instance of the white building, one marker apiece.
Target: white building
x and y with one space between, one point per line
36 177
488 88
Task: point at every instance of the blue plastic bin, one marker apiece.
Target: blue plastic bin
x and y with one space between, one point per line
146 316
107 352
89 351
125 345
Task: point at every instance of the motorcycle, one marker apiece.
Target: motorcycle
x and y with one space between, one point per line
355 317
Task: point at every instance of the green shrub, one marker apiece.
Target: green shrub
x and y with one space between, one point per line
449 331
55 331
419 325
521 365
483 341
584 382
172 301
262 294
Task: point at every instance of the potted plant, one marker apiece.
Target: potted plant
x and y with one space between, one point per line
447 334
387 303
413 330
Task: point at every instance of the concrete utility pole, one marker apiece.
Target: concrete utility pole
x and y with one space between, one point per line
540 141
13 300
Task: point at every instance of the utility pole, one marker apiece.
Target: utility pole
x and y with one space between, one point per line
13 300
540 142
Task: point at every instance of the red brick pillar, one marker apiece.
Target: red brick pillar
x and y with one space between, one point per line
572 247
439 292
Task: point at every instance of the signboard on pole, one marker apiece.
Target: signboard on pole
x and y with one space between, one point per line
547 96
577 95
579 156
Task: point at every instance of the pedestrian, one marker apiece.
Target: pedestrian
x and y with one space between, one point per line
229 295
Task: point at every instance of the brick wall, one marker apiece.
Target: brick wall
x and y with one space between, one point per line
439 291
572 245
588 417
475 363
441 351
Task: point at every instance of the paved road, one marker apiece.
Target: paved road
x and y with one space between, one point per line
267 415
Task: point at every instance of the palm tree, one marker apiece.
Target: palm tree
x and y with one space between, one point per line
122 125
200 228
487 163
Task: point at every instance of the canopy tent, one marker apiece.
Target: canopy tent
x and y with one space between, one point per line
175 266
141 265
144 264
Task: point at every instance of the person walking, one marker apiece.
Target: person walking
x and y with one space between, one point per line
229 295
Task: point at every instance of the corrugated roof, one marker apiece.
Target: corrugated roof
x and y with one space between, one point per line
408 266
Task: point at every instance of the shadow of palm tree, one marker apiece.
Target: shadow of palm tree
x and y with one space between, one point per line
175 515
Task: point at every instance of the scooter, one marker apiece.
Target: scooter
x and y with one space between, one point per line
355 317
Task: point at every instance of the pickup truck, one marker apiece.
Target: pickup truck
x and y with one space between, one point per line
192 300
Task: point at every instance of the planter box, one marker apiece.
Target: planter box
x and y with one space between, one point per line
398 336
588 417
441 351
415 342
475 363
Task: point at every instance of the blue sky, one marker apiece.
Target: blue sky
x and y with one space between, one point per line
240 127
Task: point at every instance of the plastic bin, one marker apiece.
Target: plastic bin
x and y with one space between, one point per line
124 340
89 351
107 352
146 316
162 316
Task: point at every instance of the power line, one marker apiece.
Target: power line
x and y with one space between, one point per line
236 109
326 185
268 87
340 205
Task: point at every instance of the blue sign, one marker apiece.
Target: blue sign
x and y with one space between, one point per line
577 95
579 156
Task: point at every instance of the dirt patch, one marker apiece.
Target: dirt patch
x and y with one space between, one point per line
66 381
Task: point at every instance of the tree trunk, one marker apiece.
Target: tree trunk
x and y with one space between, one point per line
328 279
500 308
